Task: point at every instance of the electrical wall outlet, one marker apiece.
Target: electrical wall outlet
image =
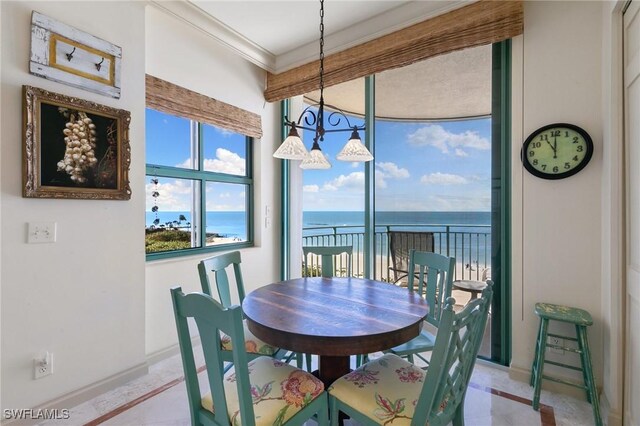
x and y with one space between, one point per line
558 342
43 366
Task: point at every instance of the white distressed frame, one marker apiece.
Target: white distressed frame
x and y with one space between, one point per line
80 71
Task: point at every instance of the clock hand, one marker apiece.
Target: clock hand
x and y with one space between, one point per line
555 147
554 150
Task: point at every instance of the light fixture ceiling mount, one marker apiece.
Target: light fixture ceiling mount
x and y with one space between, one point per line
292 147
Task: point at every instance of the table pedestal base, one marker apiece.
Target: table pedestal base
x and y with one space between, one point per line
332 368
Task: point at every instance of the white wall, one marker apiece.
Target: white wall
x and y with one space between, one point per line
82 297
556 224
179 53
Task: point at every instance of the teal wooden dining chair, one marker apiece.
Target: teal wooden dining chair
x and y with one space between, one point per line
433 279
390 388
215 269
245 395
327 255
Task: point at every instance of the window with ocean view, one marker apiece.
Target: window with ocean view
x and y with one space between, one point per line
199 186
433 146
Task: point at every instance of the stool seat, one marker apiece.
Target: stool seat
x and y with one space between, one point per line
563 313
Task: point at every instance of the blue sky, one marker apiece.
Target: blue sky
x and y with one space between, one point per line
168 144
443 166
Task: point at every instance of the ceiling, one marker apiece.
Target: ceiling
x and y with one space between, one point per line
280 35
282 26
446 87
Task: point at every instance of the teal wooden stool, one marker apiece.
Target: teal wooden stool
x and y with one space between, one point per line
581 319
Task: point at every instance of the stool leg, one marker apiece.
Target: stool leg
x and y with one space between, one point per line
588 371
534 366
584 369
542 344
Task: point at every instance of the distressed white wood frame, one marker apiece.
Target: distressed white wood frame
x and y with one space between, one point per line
67 55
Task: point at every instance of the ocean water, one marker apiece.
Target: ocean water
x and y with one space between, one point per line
226 224
468 232
336 218
233 224
463 235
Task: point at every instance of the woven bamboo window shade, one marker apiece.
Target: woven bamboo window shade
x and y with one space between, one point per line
172 99
483 22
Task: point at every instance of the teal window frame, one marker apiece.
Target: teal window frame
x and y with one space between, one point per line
501 309
204 177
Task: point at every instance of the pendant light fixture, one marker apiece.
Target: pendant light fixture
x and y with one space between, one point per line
293 149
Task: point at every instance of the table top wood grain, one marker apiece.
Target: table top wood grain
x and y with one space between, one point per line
334 316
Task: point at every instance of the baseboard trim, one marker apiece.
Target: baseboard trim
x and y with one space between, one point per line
162 354
611 417
85 393
524 375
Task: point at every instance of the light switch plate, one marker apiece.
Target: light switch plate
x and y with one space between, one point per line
41 232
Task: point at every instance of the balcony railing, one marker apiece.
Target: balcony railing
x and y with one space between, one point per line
469 244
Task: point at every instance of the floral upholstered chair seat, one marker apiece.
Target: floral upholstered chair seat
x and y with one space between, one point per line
386 390
278 391
251 343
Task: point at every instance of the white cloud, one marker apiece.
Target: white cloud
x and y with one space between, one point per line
436 136
391 170
443 179
354 180
225 162
355 164
174 195
224 195
224 132
461 153
310 188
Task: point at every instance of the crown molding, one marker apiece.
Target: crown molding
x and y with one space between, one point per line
377 26
197 18
385 23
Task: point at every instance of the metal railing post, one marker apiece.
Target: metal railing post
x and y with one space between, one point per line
447 233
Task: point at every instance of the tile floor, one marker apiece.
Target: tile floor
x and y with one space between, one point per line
160 398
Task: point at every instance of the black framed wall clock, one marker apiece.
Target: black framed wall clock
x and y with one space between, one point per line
556 151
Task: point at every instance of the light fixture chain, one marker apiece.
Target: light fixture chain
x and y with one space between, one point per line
293 149
321 46
320 123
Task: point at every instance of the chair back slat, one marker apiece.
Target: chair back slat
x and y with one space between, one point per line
211 318
439 283
327 254
217 265
453 358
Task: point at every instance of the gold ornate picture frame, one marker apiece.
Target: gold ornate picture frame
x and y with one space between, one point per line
74 148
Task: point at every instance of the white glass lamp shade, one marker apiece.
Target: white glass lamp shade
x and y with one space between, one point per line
292 148
315 160
354 150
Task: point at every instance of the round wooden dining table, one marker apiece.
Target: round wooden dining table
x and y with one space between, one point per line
334 318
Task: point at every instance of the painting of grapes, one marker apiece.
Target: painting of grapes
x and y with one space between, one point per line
74 148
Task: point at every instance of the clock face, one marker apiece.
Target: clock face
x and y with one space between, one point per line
557 151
